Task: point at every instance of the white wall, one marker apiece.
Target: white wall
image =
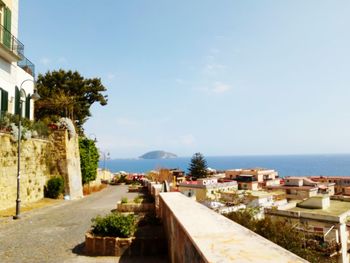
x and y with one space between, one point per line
10 74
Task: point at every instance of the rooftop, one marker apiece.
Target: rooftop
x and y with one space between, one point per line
330 177
336 208
194 184
304 187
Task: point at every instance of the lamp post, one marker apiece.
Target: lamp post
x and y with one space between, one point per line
106 156
35 96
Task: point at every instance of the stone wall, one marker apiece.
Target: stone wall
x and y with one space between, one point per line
102 175
40 160
37 165
66 152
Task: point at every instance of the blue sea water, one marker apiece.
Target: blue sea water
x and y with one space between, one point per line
286 165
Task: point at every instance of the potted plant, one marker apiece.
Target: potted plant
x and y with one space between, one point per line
110 235
135 187
139 204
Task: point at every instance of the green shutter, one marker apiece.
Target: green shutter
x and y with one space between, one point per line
17 100
4 100
7 26
28 106
1 102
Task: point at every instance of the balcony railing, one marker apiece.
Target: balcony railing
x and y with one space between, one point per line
26 65
10 42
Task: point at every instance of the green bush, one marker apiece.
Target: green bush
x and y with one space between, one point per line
88 159
138 199
114 225
41 128
54 187
124 200
122 179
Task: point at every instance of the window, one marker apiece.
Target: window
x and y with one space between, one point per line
3 100
27 107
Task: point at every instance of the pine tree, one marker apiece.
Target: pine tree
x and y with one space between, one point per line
198 166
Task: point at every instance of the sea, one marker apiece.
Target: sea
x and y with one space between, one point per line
286 165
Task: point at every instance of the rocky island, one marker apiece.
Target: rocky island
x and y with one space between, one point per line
158 155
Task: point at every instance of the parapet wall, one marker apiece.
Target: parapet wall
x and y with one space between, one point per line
197 234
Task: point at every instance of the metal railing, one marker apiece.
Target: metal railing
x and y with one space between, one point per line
27 65
10 42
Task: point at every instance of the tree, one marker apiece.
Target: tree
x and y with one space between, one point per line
88 159
198 166
68 94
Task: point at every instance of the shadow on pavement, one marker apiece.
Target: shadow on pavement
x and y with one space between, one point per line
125 258
79 249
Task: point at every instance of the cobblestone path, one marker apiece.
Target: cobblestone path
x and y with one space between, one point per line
56 234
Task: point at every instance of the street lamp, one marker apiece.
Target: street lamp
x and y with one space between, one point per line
106 156
22 97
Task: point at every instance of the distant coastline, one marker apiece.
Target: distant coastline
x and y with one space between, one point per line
286 165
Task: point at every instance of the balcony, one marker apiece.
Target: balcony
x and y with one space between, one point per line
27 66
11 49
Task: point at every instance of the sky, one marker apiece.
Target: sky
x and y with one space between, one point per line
228 77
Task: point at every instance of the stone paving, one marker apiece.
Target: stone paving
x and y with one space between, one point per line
56 233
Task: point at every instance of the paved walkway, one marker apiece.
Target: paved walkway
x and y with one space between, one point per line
56 234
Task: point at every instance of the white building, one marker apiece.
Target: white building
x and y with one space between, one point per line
16 71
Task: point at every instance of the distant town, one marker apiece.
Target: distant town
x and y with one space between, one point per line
317 205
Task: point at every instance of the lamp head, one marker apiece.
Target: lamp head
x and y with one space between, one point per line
35 96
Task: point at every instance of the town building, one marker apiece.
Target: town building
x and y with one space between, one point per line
319 216
16 71
263 177
247 182
342 183
206 188
300 188
254 198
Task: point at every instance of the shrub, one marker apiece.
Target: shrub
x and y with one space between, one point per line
122 179
114 225
54 187
41 128
88 159
138 199
124 200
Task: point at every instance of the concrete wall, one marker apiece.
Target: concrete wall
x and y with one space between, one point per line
197 234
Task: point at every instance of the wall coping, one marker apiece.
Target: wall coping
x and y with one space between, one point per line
218 239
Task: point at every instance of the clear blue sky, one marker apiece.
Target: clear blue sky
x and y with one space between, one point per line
220 77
